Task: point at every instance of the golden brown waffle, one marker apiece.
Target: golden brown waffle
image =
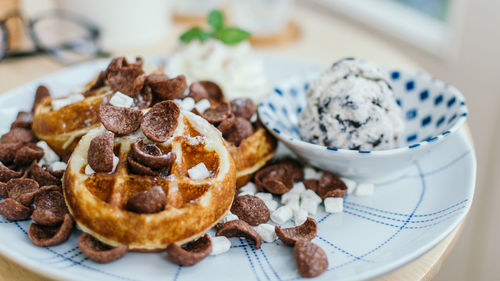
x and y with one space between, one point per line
63 128
98 201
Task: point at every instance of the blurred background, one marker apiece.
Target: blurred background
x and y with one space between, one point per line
455 40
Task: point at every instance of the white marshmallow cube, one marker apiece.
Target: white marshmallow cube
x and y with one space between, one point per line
271 204
115 163
334 204
121 100
202 105
199 172
253 119
58 166
229 217
299 216
248 189
309 205
49 156
364 189
266 232
289 196
298 187
220 245
351 185
89 170
187 104
311 174
264 196
310 195
282 215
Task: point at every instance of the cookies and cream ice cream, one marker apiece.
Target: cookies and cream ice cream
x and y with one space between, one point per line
235 68
352 106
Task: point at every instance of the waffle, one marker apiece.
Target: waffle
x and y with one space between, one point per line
63 128
252 154
98 201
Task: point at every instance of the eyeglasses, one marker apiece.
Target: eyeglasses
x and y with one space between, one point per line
66 36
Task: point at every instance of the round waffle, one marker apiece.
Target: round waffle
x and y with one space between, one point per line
98 201
63 128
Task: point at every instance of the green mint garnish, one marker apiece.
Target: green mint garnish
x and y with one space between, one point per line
232 35
226 34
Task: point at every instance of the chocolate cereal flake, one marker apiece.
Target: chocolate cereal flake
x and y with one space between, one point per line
278 178
27 154
312 185
22 190
160 122
213 90
144 98
149 201
100 154
191 253
8 152
331 185
311 259
100 252
138 84
42 176
6 174
13 210
41 93
165 88
304 232
239 228
46 236
138 168
23 120
21 135
197 92
243 107
3 190
218 113
120 120
250 209
121 75
151 156
50 209
240 130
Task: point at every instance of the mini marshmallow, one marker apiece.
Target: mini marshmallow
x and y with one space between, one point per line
58 166
60 103
229 217
49 156
115 163
364 189
187 104
264 196
351 185
271 205
121 100
220 245
311 174
282 215
299 216
309 205
293 204
202 105
266 232
298 187
289 196
310 195
199 172
253 119
89 170
247 189
334 204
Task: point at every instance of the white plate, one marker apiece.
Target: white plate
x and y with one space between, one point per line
374 235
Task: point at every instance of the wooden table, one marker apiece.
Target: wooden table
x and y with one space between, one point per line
323 40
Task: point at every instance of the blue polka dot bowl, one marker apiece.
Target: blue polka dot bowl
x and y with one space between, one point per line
432 110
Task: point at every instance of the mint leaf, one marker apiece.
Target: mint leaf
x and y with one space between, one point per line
232 35
194 33
216 19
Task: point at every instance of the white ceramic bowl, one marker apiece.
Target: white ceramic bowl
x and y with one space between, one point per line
432 111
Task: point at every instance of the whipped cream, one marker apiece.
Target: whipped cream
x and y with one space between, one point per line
236 68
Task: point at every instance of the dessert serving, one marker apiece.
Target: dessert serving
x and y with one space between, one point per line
351 105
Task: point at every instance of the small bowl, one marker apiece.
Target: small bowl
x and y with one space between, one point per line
432 111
